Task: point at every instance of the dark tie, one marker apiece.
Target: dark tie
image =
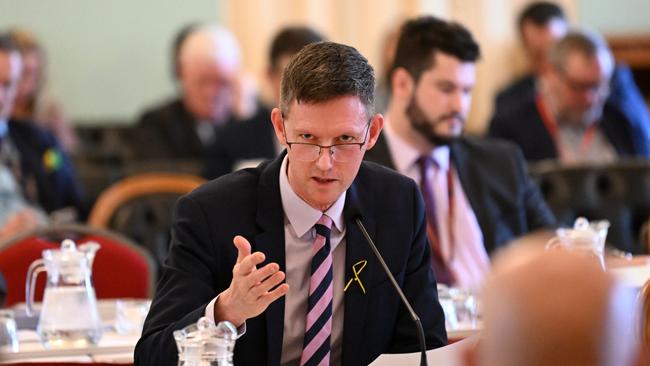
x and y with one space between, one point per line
318 325
440 268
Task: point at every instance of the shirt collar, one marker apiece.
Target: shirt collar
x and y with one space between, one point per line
301 216
405 156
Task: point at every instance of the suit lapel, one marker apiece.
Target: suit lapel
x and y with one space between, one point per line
355 300
270 240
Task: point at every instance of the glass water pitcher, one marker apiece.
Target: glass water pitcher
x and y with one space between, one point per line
586 238
206 344
69 315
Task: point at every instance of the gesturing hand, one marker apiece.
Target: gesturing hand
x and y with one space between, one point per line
252 289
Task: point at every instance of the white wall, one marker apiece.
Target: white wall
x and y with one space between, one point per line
107 59
616 17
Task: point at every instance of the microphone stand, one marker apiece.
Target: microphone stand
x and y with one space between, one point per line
414 316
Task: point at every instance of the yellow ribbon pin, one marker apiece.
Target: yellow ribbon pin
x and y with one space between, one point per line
356 269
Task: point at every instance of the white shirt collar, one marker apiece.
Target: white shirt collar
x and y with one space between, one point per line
301 216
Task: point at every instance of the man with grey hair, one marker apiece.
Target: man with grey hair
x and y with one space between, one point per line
208 75
554 308
570 119
300 281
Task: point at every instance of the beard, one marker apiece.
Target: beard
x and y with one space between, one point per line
426 127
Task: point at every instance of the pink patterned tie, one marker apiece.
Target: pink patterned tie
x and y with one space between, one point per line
318 326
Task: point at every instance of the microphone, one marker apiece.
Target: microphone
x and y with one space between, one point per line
353 212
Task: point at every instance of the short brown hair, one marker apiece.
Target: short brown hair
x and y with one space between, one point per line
323 71
420 38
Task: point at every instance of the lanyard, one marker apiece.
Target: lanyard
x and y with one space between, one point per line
551 126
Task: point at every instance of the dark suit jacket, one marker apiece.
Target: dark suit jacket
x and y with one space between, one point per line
56 185
168 132
495 180
250 139
625 121
524 126
248 202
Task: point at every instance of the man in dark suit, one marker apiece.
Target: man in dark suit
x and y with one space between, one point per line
336 305
477 191
540 25
39 165
570 117
245 144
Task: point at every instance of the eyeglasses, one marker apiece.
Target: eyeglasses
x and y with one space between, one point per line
580 87
341 153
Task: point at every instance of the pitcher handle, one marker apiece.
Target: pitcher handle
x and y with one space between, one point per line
34 270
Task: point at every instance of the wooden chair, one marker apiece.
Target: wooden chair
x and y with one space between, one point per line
140 207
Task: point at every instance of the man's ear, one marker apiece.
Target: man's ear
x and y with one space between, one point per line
278 126
376 124
402 84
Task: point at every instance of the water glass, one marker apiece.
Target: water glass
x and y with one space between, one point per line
130 316
8 334
460 307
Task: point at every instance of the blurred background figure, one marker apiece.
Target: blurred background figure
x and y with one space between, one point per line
32 102
540 25
545 308
462 178
207 68
247 143
32 156
569 117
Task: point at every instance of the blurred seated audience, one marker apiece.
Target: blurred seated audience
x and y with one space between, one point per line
543 308
212 94
32 103
41 168
246 143
569 118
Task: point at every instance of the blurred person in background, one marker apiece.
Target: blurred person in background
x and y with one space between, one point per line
540 25
249 142
31 154
31 102
570 118
543 308
212 93
477 191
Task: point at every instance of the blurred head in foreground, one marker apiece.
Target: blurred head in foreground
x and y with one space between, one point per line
554 308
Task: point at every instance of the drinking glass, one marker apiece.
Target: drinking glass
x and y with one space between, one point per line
8 334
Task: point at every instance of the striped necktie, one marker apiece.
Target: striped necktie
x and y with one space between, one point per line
318 325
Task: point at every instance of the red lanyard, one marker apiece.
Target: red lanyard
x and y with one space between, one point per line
551 126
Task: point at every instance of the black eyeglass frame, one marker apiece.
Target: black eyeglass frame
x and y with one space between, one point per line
321 147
